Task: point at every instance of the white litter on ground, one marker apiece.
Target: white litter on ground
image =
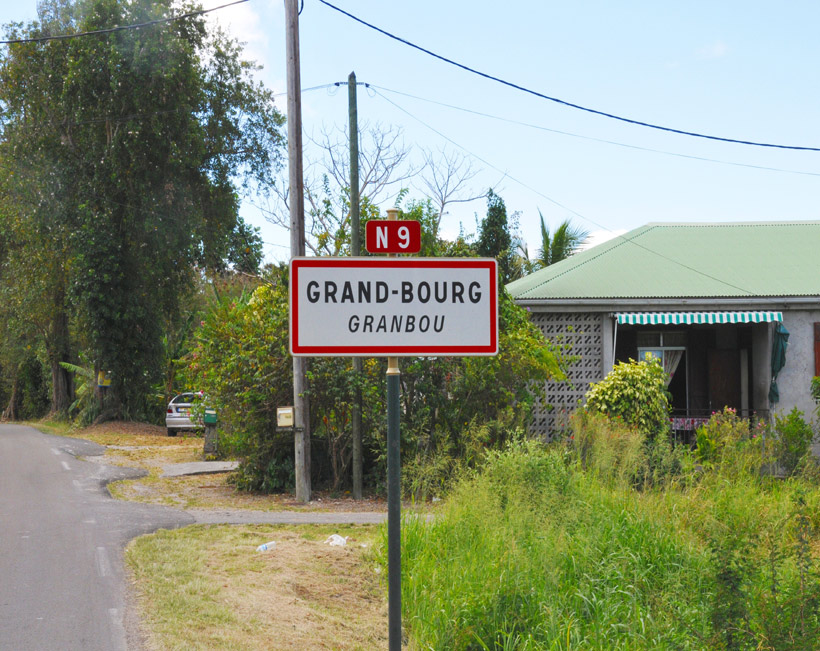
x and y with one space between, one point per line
335 540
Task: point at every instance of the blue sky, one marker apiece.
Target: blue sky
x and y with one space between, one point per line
743 70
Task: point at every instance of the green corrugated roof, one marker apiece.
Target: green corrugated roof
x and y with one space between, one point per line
688 260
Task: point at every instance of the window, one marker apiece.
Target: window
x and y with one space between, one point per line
669 357
656 339
647 339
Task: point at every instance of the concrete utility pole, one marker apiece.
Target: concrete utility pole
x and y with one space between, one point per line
301 415
355 250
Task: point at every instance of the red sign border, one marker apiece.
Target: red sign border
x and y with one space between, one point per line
414 224
394 351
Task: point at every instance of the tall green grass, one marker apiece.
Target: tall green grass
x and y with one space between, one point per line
532 555
571 548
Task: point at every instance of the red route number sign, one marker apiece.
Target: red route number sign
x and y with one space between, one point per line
393 236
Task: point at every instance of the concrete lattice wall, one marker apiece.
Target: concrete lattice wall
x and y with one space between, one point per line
582 333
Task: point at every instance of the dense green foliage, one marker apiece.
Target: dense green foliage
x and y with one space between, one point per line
559 548
453 408
240 362
635 391
123 156
793 438
724 431
787 440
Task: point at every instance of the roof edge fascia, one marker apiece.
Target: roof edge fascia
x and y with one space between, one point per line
795 222
672 305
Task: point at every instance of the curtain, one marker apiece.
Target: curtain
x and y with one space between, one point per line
671 359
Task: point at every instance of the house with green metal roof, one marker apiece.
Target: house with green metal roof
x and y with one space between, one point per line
718 304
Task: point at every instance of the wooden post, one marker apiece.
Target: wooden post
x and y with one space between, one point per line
296 195
355 250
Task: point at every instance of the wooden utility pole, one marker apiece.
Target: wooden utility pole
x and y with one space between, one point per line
301 415
355 250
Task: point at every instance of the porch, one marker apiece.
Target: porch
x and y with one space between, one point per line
713 359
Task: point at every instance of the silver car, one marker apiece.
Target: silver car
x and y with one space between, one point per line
178 414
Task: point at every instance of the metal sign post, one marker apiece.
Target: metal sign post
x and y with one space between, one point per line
393 506
393 495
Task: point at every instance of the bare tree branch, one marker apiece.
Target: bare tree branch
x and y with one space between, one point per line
383 165
445 176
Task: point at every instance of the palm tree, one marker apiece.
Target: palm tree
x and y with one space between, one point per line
566 240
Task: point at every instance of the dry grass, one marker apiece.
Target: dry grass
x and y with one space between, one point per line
207 588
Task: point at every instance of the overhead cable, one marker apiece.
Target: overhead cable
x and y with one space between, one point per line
557 100
590 138
560 205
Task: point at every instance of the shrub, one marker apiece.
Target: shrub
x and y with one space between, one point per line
635 391
793 439
724 429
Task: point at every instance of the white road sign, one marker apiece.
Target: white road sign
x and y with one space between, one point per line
393 306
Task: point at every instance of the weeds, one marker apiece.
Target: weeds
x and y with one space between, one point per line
612 543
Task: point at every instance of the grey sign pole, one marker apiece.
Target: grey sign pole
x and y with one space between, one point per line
393 505
393 497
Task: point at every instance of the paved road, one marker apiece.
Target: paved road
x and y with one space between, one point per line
61 545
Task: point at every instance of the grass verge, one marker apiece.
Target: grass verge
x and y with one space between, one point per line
537 551
206 587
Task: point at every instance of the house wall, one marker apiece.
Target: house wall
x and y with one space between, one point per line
794 380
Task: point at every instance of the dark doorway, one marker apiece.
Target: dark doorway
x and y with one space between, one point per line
724 379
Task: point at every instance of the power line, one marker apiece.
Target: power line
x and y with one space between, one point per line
560 205
307 90
591 138
120 28
557 100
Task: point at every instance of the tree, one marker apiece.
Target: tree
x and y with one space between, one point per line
142 141
566 240
494 238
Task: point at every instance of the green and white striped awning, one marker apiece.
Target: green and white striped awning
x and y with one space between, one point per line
694 318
